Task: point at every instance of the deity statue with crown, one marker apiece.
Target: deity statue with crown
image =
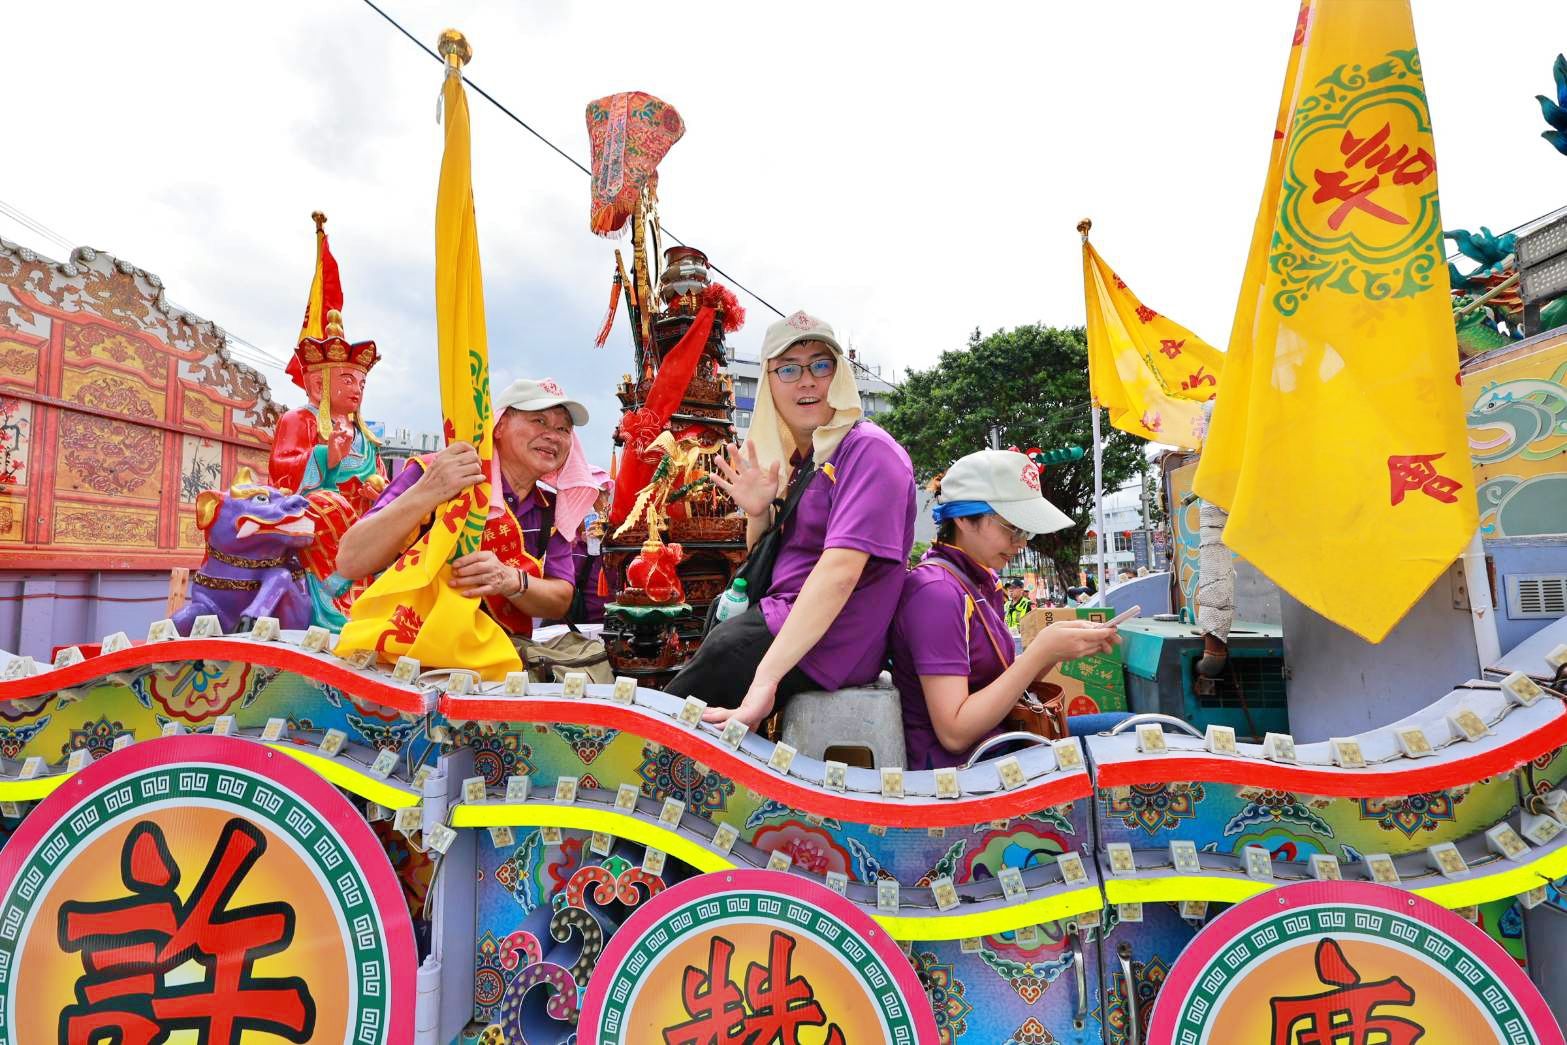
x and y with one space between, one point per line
323 450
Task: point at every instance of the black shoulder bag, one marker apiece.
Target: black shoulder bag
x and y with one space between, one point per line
757 569
579 598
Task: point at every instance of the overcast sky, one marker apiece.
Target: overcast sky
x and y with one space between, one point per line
908 171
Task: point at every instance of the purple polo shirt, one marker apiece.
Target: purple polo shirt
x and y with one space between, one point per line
554 549
930 636
862 499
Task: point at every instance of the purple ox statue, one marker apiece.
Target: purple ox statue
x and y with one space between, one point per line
254 534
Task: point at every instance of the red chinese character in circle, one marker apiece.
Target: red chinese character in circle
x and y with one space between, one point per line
774 1007
129 947
1344 1014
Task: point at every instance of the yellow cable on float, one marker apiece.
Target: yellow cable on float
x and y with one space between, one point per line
901 927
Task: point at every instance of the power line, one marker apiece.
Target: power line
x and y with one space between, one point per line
563 154
34 225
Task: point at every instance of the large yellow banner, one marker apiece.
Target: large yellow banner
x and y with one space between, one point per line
1338 441
1151 373
412 609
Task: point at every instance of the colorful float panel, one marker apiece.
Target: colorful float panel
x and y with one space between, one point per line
530 832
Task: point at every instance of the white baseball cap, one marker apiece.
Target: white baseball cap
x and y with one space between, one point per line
791 330
1007 481
538 395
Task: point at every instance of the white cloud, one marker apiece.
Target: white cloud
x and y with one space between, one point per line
910 171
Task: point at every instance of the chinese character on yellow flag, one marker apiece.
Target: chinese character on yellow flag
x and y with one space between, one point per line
1338 441
412 609
1151 373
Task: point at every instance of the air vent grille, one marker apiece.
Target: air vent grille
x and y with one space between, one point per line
1543 595
1254 682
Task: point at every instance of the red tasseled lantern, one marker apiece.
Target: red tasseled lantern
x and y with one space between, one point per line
723 300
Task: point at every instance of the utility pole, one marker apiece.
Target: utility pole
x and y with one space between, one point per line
1147 530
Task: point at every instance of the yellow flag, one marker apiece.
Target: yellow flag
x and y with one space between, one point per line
1338 441
1151 373
412 609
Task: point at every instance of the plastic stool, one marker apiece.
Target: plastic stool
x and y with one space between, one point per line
869 718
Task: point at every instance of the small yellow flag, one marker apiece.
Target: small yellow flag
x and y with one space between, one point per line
1151 373
1338 441
412 609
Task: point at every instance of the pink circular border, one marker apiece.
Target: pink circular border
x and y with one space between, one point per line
333 808
779 883
1224 929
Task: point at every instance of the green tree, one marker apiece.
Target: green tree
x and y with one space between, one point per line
1030 385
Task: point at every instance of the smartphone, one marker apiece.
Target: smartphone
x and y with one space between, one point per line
1122 618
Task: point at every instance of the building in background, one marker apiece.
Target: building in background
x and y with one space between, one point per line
1127 542
402 444
116 410
875 390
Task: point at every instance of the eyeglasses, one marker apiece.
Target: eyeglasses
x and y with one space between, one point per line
789 373
1012 531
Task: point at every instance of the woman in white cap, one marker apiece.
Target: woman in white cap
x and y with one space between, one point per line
952 656
534 440
821 620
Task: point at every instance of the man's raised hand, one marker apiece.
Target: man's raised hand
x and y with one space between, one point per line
452 471
751 487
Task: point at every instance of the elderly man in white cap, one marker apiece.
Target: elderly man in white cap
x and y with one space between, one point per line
820 619
952 656
534 440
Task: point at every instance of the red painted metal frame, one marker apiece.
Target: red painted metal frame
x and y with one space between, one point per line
799 794
281 655
1418 778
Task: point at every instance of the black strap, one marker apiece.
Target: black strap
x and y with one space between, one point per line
757 569
578 596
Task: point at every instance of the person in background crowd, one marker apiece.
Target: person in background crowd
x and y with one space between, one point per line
821 621
952 658
587 605
1018 604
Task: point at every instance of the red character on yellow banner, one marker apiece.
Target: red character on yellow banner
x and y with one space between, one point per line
1371 153
1339 374
1151 373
